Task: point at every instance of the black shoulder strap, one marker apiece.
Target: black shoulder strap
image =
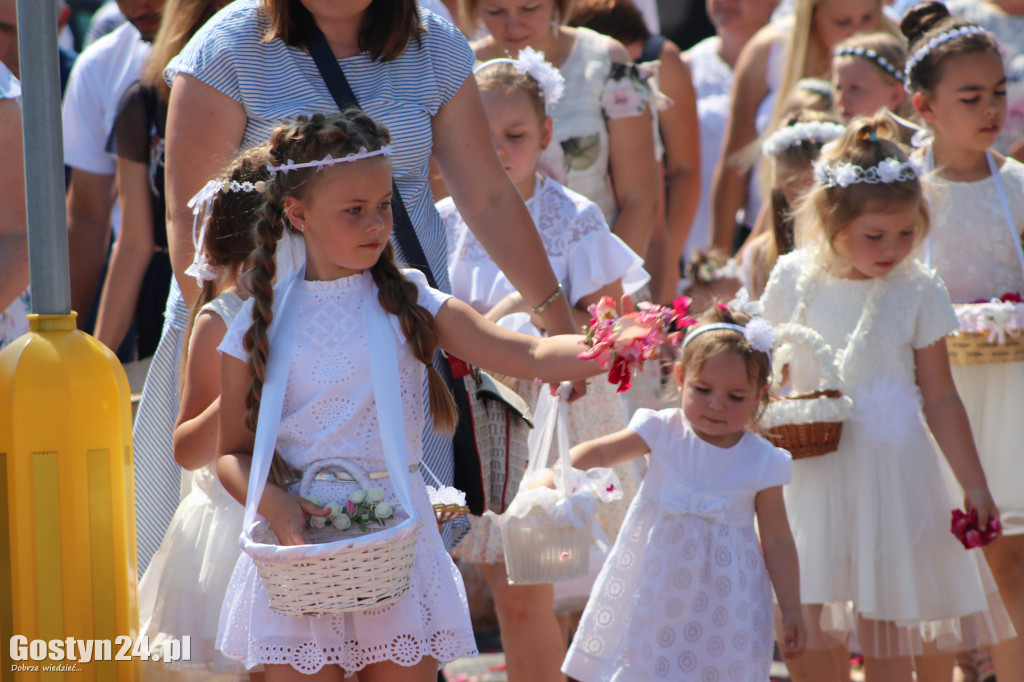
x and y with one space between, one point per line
341 91
652 49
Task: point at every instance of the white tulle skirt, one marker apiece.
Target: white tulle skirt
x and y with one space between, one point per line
183 588
871 525
993 395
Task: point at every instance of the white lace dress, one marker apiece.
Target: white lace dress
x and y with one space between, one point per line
585 257
183 587
871 520
329 411
973 253
684 594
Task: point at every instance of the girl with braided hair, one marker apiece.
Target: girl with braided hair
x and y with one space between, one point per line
331 184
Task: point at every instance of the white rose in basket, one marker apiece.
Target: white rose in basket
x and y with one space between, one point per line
383 510
357 496
340 521
375 494
315 500
317 521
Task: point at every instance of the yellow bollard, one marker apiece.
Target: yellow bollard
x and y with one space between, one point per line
67 510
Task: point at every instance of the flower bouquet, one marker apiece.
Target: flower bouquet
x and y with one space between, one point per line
622 343
364 508
990 331
965 528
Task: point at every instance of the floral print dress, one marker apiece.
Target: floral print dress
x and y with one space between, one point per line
596 90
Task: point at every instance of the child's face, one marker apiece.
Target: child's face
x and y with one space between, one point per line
862 89
344 217
720 399
875 242
515 24
967 108
518 135
836 20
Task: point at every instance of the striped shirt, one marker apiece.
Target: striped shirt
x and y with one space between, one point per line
275 81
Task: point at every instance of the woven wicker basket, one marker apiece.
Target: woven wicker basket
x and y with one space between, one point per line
349 572
546 555
446 512
971 346
808 438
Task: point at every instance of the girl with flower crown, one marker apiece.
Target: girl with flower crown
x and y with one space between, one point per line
958 82
354 307
183 586
871 519
686 592
591 262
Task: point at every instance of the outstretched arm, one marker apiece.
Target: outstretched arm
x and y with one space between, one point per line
780 559
948 422
464 332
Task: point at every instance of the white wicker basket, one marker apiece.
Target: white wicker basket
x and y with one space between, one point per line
546 555
338 571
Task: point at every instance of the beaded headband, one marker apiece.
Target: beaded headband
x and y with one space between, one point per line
329 160
200 205
806 131
941 39
759 333
886 172
816 85
868 53
533 64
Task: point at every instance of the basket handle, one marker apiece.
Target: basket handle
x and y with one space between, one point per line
802 337
551 422
335 463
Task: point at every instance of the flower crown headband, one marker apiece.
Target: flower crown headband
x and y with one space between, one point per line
532 63
807 131
815 85
868 53
844 174
329 160
941 39
200 205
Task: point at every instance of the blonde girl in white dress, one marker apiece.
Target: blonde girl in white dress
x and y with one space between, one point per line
977 200
685 593
331 184
591 262
872 519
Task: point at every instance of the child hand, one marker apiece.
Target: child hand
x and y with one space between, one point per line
286 513
794 634
547 479
980 499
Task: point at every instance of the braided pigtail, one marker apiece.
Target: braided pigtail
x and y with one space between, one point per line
398 296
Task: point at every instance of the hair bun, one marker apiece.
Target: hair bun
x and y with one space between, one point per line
921 19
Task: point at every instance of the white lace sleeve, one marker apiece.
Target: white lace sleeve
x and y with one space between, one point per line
429 298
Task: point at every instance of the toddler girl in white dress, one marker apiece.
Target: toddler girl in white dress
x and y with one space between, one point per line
685 594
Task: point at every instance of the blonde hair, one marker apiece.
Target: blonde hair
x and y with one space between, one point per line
826 211
894 50
308 139
803 52
505 78
181 19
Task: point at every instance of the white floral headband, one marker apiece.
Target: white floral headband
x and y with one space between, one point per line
807 131
200 205
329 160
868 53
816 85
940 39
533 64
844 174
